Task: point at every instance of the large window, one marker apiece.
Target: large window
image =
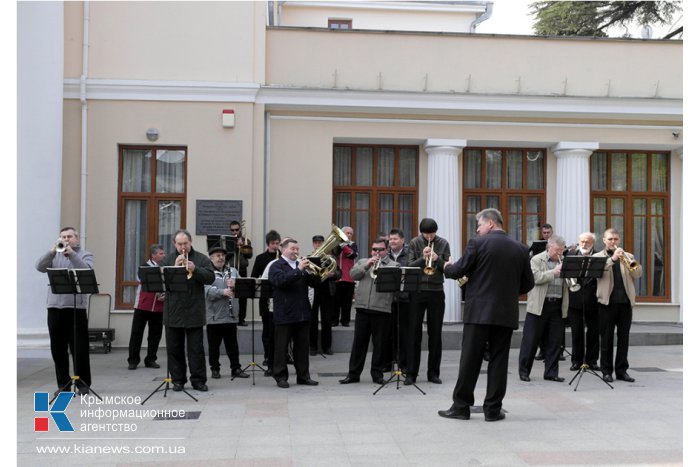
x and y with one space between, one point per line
629 191
152 195
374 190
510 180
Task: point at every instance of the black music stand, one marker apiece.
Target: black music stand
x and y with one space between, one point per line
73 281
253 288
406 279
583 267
227 242
159 280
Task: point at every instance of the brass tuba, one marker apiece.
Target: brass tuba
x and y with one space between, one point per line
335 238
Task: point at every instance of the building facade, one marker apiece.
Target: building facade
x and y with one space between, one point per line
372 115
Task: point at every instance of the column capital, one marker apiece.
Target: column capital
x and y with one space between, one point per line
433 144
566 148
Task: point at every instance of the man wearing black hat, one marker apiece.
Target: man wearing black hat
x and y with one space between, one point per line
428 252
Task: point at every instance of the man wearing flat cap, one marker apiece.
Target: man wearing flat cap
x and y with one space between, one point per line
430 253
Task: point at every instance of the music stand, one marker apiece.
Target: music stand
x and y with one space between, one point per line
73 281
159 280
405 279
253 288
583 267
227 242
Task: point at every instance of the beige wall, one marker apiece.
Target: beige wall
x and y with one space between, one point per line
495 63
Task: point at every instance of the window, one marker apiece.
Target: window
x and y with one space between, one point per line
375 189
510 180
152 196
339 23
629 191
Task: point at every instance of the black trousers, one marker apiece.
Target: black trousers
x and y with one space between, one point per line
474 339
546 328
242 302
155 332
228 333
323 302
374 326
298 333
614 316
342 301
268 332
585 335
434 304
192 338
64 337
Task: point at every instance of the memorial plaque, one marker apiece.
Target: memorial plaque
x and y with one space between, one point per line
215 215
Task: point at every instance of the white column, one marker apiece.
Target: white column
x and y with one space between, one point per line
444 206
39 160
573 189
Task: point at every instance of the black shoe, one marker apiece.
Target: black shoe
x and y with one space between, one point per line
625 377
307 382
328 352
594 366
242 323
346 325
266 362
200 387
494 418
378 380
215 374
132 366
238 373
410 380
282 384
349 380
152 365
84 390
177 387
539 356
313 352
558 379
459 414
525 378
562 357
487 356
607 378
268 372
334 324
575 367
434 379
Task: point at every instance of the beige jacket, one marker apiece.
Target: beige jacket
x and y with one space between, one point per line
543 276
605 283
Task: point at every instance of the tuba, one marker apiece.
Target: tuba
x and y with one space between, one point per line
429 269
323 252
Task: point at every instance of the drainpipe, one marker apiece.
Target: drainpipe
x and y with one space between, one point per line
482 17
83 116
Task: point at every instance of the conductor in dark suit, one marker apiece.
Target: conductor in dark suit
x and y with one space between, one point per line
290 281
498 269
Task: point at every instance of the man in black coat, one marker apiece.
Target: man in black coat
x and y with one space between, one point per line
184 315
498 269
291 312
272 240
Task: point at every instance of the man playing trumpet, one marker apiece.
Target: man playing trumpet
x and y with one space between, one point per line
616 295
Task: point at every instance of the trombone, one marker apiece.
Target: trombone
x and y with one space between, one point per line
429 269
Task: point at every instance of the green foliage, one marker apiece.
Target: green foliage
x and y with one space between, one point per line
581 18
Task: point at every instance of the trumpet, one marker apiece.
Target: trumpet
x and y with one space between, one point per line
629 263
377 265
429 269
187 261
60 246
570 282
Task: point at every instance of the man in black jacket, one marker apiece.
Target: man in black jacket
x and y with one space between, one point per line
185 315
498 269
272 240
290 294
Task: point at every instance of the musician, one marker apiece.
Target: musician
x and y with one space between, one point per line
271 253
290 281
498 271
345 255
148 310
242 252
68 329
372 315
547 305
427 247
222 315
322 301
616 297
398 251
583 313
184 316
538 246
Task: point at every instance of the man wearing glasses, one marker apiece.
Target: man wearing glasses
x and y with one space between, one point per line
242 252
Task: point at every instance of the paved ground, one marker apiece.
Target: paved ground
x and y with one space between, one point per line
242 424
